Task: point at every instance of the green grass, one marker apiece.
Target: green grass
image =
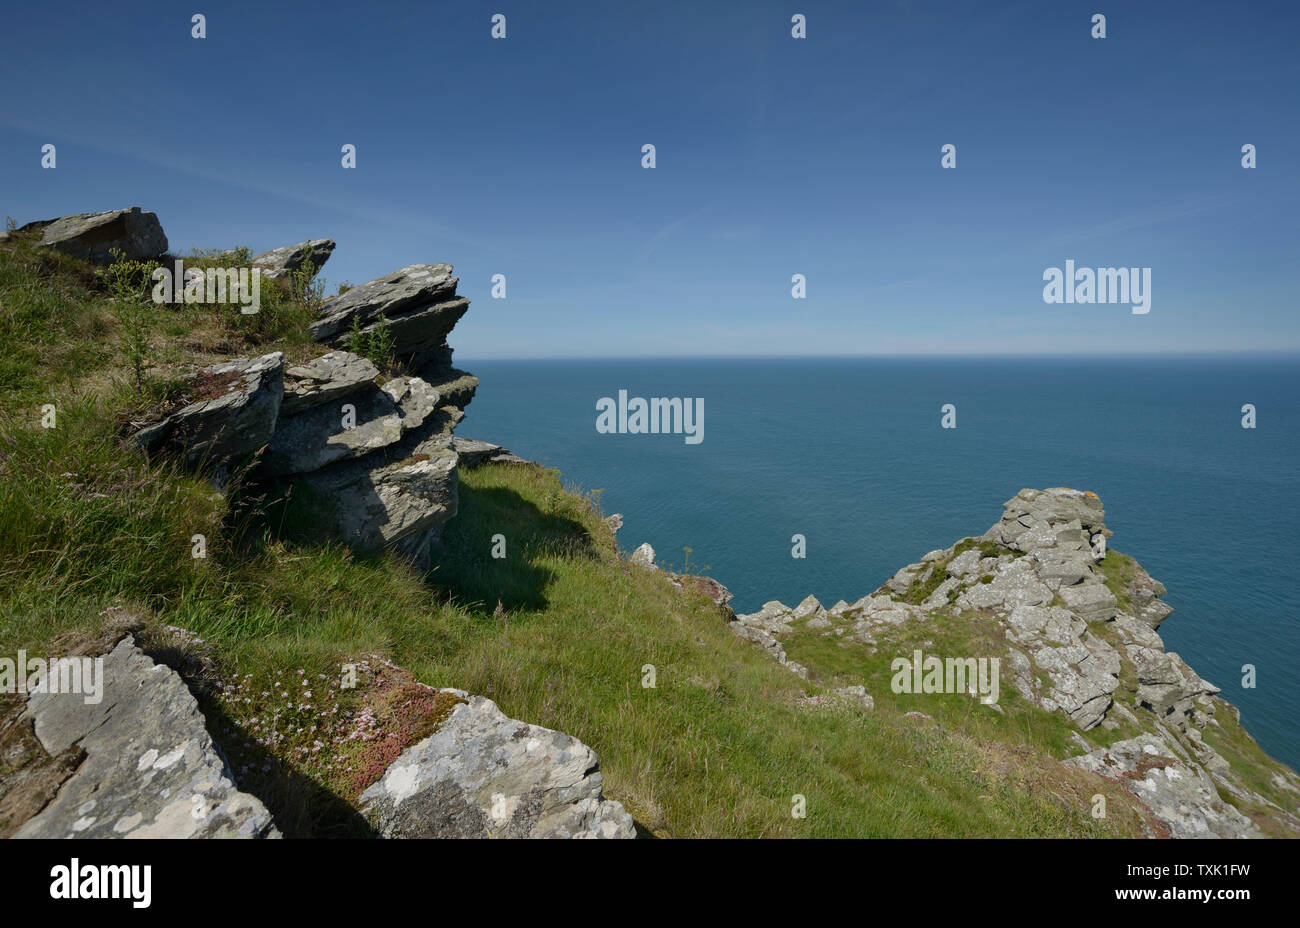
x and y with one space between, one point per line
558 632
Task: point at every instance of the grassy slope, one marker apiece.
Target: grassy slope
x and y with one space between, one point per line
558 633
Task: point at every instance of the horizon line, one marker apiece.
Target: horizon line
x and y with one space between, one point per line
1242 354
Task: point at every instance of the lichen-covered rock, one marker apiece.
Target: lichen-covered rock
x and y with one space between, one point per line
1178 794
148 769
483 775
324 380
643 556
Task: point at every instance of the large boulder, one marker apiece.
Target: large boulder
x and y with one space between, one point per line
230 410
147 767
94 236
279 264
484 775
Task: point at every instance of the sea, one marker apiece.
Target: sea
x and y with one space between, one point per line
851 454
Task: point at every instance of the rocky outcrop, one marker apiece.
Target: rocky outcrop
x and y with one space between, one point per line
1078 622
483 775
370 459
95 236
136 763
279 264
1181 795
418 303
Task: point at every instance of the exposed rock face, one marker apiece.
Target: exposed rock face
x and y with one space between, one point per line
146 766
94 236
1038 580
483 775
235 415
375 464
419 304
377 417
764 626
325 379
1179 794
278 264
402 506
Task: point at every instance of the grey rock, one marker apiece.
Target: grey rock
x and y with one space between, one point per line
94 236
236 417
483 775
774 617
318 437
418 302
643 556
1015 584
402 506
760 637
473 453
278 264
150 768
1091 601
965 563
1178 793
808 608
324 380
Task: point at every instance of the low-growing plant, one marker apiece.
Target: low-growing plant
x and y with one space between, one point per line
374 344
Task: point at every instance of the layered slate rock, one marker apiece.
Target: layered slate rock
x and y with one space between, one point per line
377 417
147 767
279 264
401 506
418 303
370 462
94 236
484 775
326 379
233 412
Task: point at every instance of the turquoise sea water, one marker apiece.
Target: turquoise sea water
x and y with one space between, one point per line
850 454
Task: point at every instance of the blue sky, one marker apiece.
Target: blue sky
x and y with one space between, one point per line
775 156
